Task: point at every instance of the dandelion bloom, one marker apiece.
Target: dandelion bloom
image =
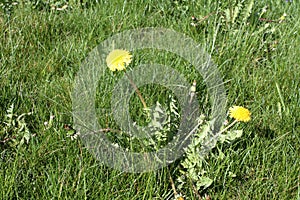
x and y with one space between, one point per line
240 113
118 59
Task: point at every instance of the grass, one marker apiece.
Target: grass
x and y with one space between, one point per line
41 52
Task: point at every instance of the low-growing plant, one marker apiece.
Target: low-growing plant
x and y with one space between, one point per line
203 144
163 126
14 131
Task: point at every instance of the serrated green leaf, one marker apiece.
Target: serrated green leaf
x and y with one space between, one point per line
247 11
222 138
27 136
234 134
158 107
236 12
204 182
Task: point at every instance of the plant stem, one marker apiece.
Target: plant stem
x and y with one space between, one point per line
172 183
137 91
230 125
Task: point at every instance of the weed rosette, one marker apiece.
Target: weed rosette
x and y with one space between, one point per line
139 150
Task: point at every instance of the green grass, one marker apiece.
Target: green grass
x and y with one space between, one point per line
41 52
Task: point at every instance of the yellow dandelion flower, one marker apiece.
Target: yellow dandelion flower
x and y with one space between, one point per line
240 113
118 59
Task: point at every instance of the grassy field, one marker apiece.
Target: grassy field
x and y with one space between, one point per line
41 50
